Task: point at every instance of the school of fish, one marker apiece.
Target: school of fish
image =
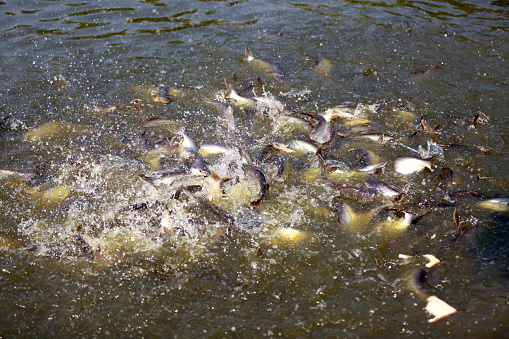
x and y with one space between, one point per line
173 188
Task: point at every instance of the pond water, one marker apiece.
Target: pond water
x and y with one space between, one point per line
94 243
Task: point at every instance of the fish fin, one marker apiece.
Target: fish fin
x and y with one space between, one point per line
229 88
426 126
217 177
456 216
432 260
148 179
323 166
249 55
438 308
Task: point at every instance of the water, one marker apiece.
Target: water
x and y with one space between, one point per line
197 280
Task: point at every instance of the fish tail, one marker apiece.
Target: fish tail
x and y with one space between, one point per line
249 55
229 89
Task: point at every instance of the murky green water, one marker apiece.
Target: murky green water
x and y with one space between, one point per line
207 276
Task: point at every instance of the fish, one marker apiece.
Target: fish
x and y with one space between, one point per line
461 227
207 150
133 103
395 224
289 235
295 121
496 204
266 66
339 112
180 144
29 173
297 145
353 222
162 95
55 130
50 194
428 128
435 306
162 179
256 178
409 165
479 118
420 73
323 66
438 308
91 245
362 194
172 125
322 132
376 137
377 168
241 101
474 194
227 122
385 189
187 146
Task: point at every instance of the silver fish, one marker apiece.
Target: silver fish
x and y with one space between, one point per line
297 145
26 173
322 133
408 165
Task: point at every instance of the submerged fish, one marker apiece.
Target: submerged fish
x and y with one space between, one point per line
435 306
497 204
266 66
395 224
323 66
289 235
172 125
419 74
376 137
56 129
351 221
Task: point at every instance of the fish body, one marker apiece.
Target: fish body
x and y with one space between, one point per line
342 112
395 224
497 204
207 150
376 137
172 125
351 221
26 173
409 165
385 189
323 66
289 235
56 129
239 100
266 66
165 179
297 145
322 132
256 179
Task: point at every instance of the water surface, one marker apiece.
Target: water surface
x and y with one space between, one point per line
248 283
